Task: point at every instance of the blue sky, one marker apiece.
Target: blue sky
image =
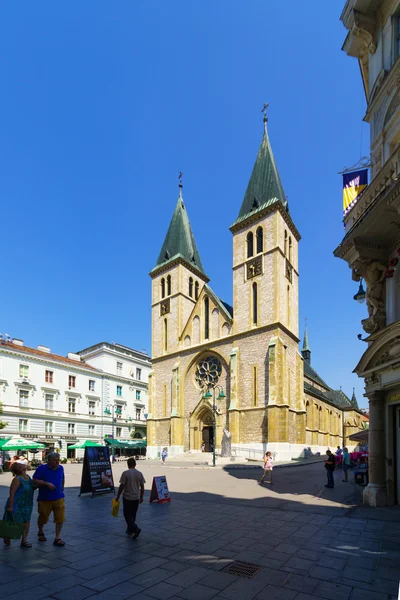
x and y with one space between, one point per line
103 104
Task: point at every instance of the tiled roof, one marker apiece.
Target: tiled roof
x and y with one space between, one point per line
265 186
46 355
309 372
179 241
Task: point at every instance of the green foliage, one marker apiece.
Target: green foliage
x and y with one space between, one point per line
2 423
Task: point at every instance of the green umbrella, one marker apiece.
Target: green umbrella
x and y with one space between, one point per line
18 443
85 444
3 441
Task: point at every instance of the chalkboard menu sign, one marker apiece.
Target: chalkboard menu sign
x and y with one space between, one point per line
97 477
159 490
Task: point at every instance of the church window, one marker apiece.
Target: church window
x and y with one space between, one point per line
169 285
320 419
285 246
191 287
249 240
163 288
206 318
196 290
260 240
165 400
254 385
255 303
308 415
288 305
208 372
165 335
290 249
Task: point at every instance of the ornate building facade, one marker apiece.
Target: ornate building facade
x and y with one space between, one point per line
371 246
201 346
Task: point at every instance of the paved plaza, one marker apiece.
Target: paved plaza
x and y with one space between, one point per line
308 542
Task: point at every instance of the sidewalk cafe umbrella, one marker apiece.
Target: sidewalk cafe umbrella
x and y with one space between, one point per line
85 444
3 441
18 443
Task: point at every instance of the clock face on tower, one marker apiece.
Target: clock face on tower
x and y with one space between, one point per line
164 307
254 267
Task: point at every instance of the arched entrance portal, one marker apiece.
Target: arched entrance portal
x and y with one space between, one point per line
202 429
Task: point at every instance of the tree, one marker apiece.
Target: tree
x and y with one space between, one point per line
2 423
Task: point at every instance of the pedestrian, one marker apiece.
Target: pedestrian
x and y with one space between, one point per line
19 504
346 464
131 488
164 455
203 447
51 496
330 465
267 468
339 451
1 464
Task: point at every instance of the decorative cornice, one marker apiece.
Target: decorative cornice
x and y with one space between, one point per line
173 262
257 216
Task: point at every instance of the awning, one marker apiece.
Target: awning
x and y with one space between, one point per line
360 436
127 444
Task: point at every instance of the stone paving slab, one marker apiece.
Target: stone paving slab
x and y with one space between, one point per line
306 550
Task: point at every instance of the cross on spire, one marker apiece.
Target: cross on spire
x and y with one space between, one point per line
264 110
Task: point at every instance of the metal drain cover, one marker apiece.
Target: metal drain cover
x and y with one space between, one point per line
242 569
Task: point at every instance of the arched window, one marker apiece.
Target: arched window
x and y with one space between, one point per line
260 239
196 290
255 304
288 305
163 288
285 247
308 415
206 318
165 335
290 249
169 285
249 240
320 419
191 287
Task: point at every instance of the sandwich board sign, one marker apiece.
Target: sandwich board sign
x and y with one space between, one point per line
97 475
159 490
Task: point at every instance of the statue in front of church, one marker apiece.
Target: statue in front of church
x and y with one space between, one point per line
226 446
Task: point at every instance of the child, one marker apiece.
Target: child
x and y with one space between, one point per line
267 468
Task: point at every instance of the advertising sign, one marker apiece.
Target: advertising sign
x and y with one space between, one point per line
97 477
159 490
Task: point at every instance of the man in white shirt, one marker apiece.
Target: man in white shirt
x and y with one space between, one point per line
131 487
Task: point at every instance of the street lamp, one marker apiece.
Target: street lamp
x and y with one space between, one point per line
207 396
111 410
360 296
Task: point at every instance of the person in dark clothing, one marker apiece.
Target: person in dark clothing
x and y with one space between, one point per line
330 465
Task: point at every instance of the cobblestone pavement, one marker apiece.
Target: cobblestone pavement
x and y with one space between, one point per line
309 542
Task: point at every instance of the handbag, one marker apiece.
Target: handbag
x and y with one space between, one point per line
9 528
115 507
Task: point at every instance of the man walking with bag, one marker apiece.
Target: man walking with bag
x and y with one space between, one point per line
131 488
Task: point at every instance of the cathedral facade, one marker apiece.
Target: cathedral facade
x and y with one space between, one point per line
236 372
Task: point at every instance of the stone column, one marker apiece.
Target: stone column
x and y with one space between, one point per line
375 492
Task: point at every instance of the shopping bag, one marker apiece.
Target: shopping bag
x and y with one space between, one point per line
10 529
115 507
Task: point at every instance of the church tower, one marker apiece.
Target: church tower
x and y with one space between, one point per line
177 280
265 251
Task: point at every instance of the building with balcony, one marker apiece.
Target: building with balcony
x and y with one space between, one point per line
57 400
371 246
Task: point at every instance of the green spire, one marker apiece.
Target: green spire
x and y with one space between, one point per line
354 399
179 241
265 186
306 346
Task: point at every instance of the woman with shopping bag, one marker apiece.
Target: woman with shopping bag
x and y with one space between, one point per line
18 509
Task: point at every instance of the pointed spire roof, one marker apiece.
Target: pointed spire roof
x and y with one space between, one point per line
354 399
265 186
306 346
179 242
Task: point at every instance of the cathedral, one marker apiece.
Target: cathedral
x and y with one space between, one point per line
237 372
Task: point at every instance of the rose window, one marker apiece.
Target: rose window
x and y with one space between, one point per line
208 372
